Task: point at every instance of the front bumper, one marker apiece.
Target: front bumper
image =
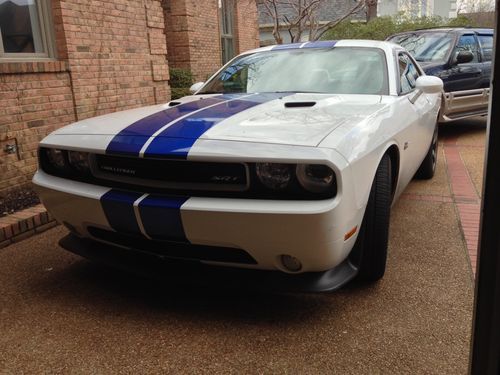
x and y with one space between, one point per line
175 271
311 231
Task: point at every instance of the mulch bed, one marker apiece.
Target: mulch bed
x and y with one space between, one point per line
17 199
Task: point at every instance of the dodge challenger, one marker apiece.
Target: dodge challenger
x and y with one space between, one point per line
282 167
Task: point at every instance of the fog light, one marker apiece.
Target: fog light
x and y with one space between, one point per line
291 263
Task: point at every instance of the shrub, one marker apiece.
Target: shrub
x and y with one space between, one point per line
382 27
180 82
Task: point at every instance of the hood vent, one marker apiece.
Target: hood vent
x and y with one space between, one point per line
299 104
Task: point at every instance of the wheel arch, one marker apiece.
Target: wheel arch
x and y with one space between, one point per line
393 152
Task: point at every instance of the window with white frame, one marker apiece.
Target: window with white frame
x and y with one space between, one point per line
25 29
227 29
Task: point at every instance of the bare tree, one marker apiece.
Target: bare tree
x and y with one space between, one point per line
297 17
371 9
476 6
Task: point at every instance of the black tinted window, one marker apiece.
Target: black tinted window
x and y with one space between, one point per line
467 43
486 42
408 73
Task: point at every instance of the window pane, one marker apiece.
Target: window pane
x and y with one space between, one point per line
467 43
20 27
409 74
486 42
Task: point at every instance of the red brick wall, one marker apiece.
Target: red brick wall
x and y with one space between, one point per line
35 99
193 37
246 25
117 54
111 55
193 33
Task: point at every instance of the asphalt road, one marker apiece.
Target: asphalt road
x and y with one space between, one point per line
62 314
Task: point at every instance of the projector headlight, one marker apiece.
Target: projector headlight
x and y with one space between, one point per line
56 158
79 161
316 178
274 176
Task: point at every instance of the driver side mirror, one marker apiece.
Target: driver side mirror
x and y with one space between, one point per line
464 57
194 88
429 84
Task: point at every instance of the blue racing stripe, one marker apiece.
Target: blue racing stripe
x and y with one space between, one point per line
321 44
318 44
176 140
131 139
161 217
286 46
118 207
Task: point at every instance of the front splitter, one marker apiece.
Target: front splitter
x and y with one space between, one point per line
175 271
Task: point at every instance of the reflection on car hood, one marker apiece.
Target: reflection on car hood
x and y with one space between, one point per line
283 118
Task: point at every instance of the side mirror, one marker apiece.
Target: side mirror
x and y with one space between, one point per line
429 84
194 88
464 57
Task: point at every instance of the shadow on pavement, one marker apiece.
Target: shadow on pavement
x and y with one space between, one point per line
459 128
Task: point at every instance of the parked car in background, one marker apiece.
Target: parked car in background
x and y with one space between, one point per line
286 162
461 57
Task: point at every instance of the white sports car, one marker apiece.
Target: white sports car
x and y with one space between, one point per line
286 161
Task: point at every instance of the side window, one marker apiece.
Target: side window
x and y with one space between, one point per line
468 43
408 73
25 29
486 43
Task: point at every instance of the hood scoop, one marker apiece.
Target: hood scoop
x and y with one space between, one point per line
299 104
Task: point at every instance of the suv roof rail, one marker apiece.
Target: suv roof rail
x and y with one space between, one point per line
454 28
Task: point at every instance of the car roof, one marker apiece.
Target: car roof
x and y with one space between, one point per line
478 30
328 44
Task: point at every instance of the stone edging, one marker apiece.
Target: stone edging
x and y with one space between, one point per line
24 224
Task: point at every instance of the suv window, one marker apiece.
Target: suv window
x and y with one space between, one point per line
426 46
486 42
408 73
467 43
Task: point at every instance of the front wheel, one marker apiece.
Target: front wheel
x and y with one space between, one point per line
373 238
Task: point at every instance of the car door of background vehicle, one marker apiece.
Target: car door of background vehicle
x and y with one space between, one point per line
464 87
465 76
420 119
486 49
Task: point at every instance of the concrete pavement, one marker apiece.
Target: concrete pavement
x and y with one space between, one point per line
60 313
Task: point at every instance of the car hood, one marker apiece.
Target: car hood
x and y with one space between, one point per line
281 118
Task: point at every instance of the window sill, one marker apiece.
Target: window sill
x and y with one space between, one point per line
27 67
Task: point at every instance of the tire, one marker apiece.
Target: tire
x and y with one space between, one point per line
428 167
372 241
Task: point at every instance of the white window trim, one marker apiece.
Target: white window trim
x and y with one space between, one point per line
46 38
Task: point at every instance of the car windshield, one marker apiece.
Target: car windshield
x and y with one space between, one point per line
425 47
340 70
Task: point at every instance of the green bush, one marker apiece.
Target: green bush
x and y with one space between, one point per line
180 77
179 92
381 27
180 82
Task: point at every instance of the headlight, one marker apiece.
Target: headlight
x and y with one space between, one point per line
315 178
79 161
56 158
274 175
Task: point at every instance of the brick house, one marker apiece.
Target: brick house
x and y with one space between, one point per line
67 60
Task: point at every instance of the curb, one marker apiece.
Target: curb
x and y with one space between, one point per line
25 223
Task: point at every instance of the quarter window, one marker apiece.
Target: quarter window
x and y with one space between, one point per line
408 73
24 29
468 43
486 42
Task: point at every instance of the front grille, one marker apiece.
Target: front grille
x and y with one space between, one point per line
171 174
173 249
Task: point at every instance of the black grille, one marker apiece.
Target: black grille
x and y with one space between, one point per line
172 173
174 249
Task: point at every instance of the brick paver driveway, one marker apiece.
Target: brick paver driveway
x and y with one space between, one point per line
60 313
